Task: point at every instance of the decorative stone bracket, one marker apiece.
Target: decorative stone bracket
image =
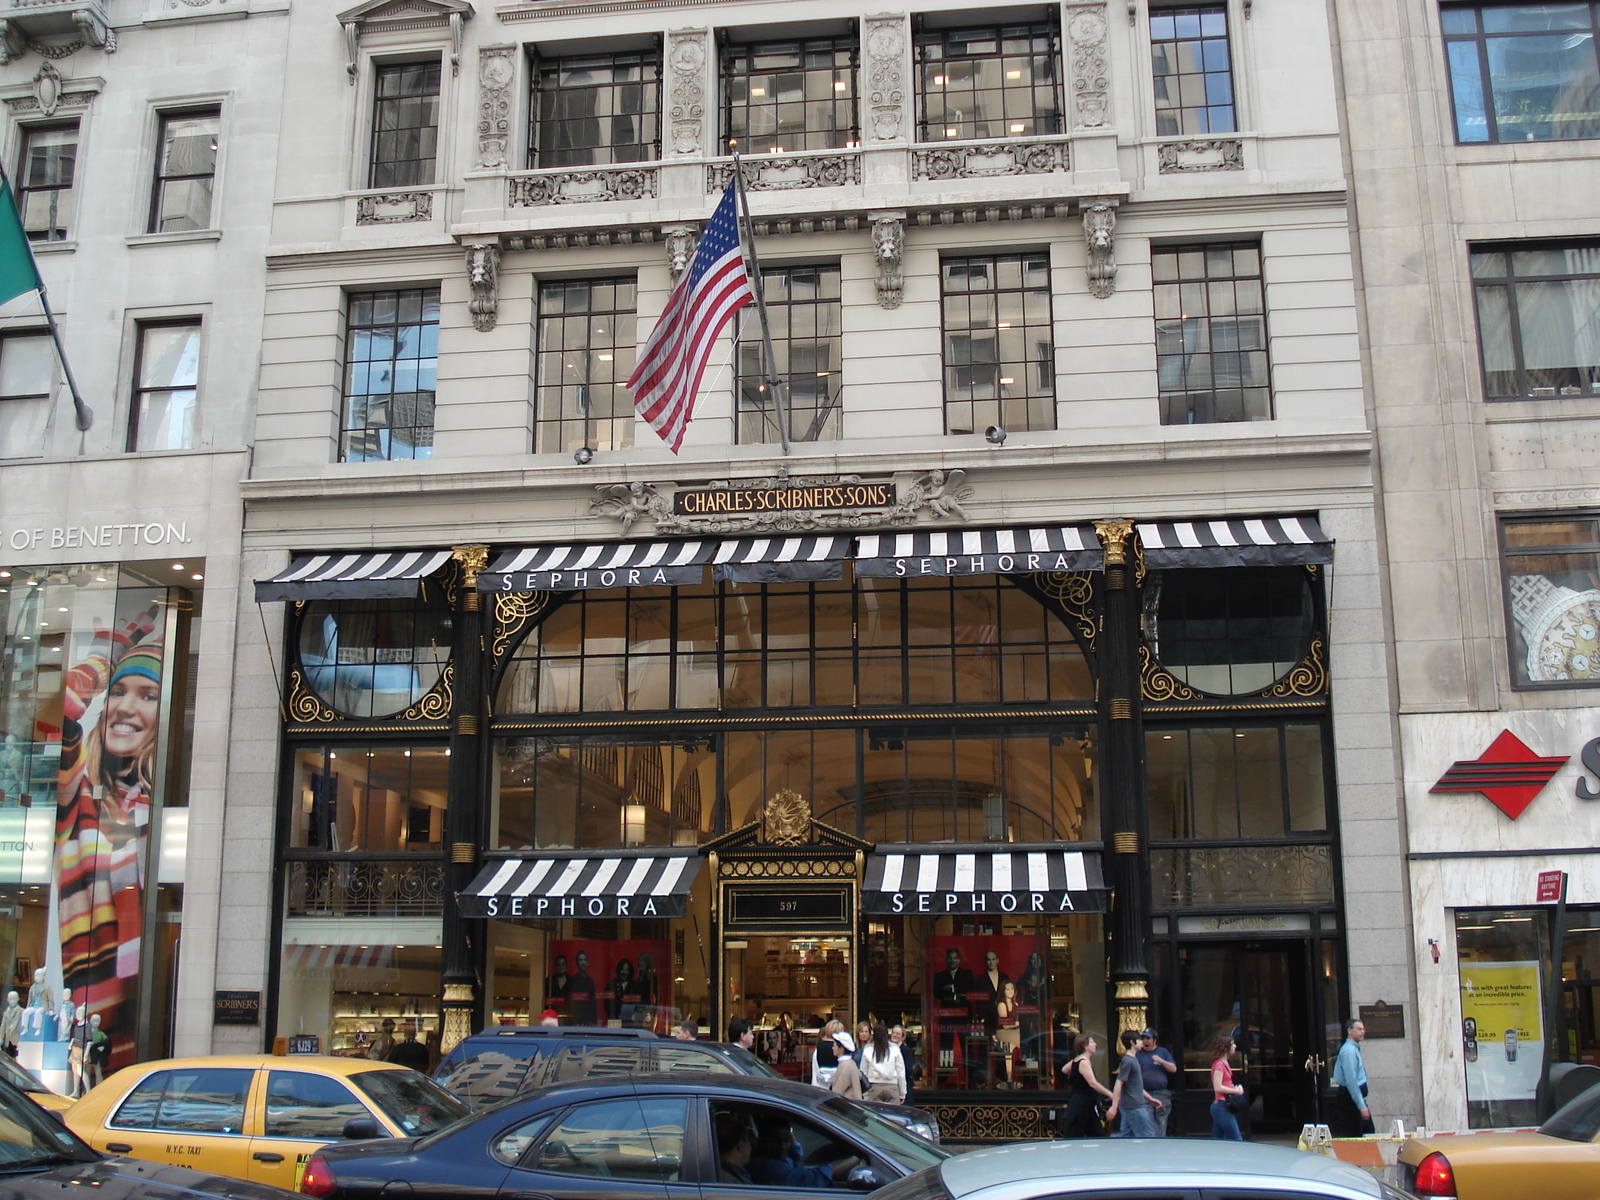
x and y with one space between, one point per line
681 243
483 274
888 244
20 31
1099 234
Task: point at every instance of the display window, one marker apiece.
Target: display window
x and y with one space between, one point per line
362 999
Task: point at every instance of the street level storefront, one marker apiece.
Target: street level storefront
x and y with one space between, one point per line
999 785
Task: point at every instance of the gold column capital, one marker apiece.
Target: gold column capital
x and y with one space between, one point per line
473 559
1114 537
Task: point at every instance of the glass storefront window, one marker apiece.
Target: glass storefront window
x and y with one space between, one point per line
840 644
1235 781
361 985
382 798
1503 957
374 658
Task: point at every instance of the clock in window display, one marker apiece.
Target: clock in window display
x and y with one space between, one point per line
1560 628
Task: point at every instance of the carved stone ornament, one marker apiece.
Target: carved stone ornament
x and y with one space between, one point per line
786 819
394 208
483 273
497 71
629 503
1210 154
681 241
582 187
93 26
62 101
1086 59
47 88
1099 234
888 243
787 172
686 90
408 15
981 162
885 40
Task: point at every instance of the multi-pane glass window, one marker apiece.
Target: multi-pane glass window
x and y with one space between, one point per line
1235 781
596 109
165 381
1231 632
993 82
1211 334
405 125
792 95
380 798
186 169
44 184
391 364
999 351
877 642
377 657
1552 569
1539 320
1523 72
27 373
1193 74
803 311
586 353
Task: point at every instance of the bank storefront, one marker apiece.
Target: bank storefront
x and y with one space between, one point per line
1000 785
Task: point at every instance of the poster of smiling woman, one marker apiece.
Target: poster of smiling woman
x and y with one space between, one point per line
111 723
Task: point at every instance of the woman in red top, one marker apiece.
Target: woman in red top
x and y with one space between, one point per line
1224 1124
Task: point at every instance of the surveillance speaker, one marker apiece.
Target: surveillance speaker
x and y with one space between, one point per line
994 434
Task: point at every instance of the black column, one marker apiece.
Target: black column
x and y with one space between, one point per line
463 941
1122 800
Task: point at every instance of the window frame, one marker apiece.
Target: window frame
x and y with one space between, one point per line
349 330
23 189
846 137
159 179
550 433
540 64
1509 282
379 69
1048 27
1232 244
332 1081
1512 634
1233 80
823 413
1033 390
47 397
137 392
1480 39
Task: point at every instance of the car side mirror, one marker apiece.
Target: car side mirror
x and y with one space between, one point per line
863 1179
358 1128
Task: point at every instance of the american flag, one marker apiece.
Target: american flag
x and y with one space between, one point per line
715 286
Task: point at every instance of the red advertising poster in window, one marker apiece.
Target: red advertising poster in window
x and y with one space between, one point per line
988 1007
596 983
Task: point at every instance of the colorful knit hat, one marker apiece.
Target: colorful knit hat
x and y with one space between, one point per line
141 659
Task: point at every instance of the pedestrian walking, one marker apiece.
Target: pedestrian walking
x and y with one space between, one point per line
1080 1117
1158 1069
846 1079
1352 1112
883 1067
1226 1096
1128 1097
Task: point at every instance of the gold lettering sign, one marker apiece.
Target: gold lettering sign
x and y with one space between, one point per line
830 497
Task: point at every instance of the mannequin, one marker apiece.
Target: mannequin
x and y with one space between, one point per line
77 1053
40 1002
11 1024
99 1052
65 1016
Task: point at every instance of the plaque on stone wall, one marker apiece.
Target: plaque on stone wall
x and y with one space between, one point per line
1383 1020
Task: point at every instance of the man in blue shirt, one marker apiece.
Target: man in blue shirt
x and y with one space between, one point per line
1352 1112
776 1162
1157 1069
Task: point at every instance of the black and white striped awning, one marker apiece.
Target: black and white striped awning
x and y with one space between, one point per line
575 567
781 559
978 551
609 883
1237 542
368 575
947 878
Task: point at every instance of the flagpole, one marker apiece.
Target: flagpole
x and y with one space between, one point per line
761 301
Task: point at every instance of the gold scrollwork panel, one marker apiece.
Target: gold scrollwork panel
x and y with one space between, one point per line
1157 683
512 612
305 707
991 1122
1074 592
1308 678
787 868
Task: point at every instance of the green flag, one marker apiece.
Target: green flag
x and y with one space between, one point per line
17 272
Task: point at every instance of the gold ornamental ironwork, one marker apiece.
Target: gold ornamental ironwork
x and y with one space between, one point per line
1158 684
1309 676
472 559
786 819
512 612
1073 591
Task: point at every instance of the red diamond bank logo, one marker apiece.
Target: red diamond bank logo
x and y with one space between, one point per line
1508 772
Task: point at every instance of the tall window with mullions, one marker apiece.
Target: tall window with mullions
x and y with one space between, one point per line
989 82
1523 72
405 125
803 310
391 367
790 95
999 351
1538 319
596 109
1211 334
1192 69
586 353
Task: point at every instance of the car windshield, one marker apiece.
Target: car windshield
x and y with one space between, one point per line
748 1063
893 1140
1578 1120
19 1078
31 1140
414 1103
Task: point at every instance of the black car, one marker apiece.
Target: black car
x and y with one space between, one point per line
40 1159
652 1137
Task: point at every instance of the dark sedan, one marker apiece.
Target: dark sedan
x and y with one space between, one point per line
645 1137
40 1159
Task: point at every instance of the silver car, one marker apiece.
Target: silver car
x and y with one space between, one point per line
1139 1169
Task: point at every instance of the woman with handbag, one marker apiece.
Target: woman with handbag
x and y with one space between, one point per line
1227 1097
1080 1117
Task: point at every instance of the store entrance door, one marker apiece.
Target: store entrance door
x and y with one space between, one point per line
806 978
1267 994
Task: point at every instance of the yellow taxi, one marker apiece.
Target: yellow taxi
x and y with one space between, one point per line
1558 1161
257 1117
14 1074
